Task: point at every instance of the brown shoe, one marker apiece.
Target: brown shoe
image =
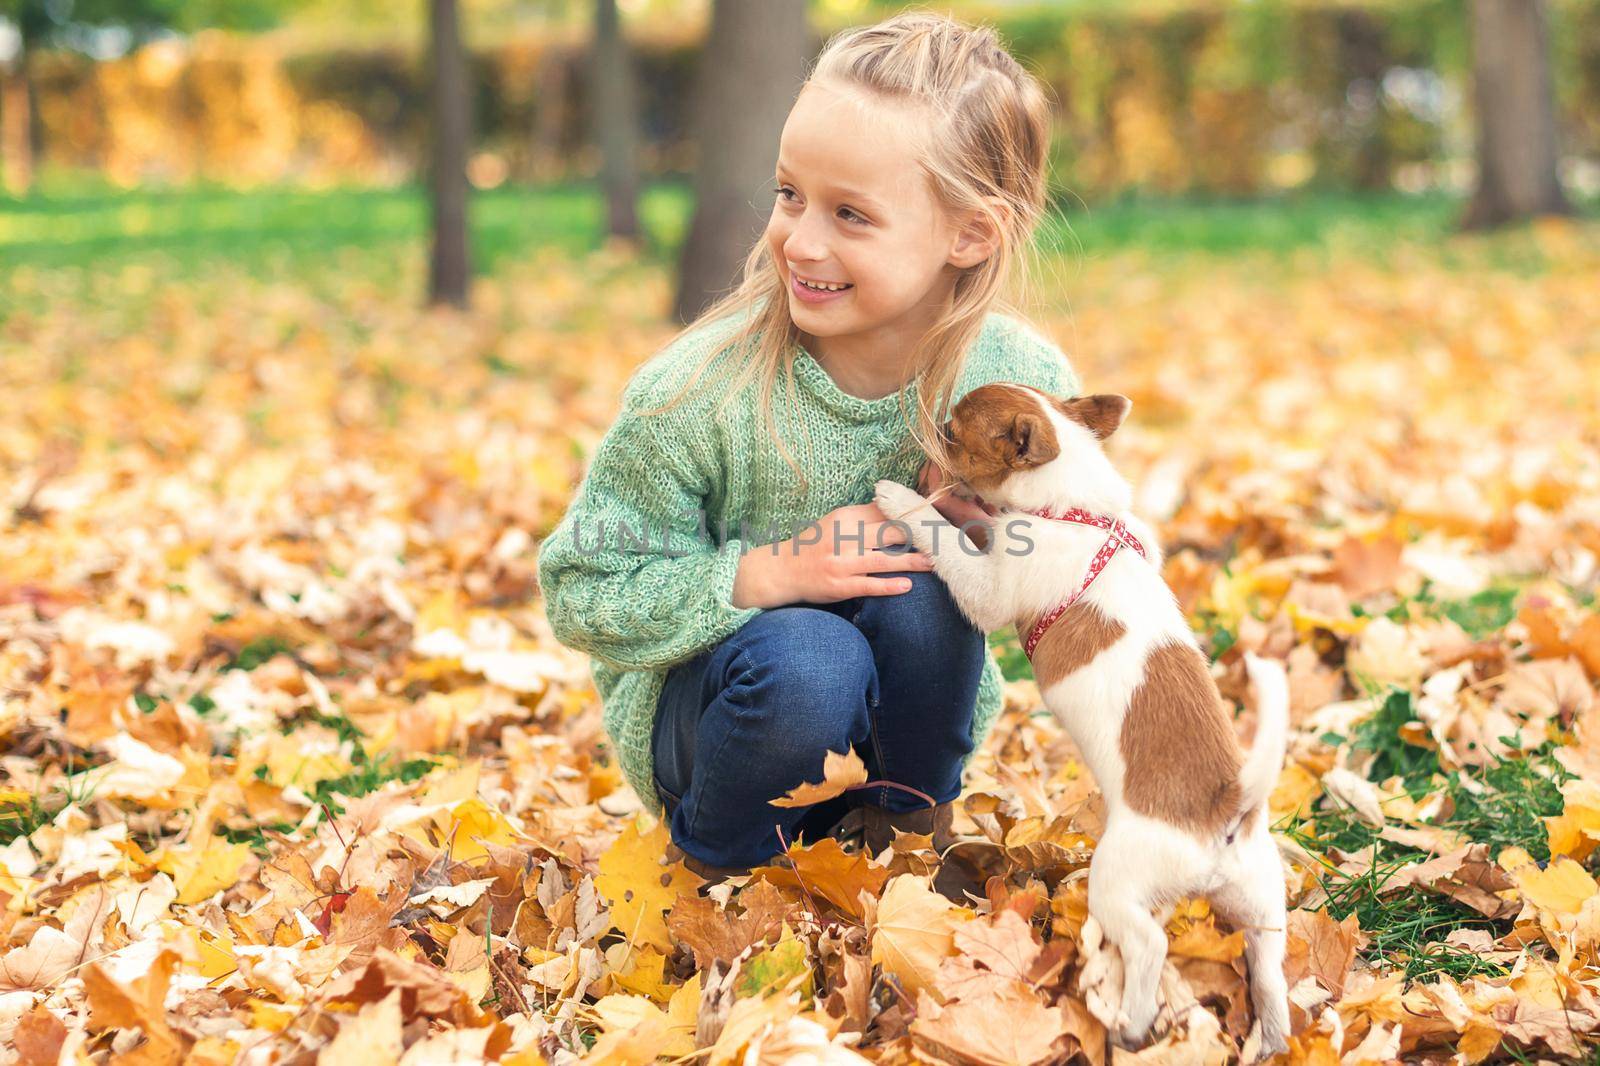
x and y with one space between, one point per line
954 879
711 875
880 825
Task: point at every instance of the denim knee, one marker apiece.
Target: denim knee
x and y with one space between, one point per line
925 610
804 680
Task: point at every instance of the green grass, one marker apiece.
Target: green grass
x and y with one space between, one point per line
77 222
1007 646
20 818
369 775
274 230
258 651
1501 805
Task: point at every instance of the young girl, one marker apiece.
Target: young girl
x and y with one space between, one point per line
910 177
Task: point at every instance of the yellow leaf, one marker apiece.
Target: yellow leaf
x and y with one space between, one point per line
674 1028
1576 830
748 1018
265 1014
304 758
639 887
213 1051
913 930
1478 1042
371 1038
454 787
216 958
1295 790
1203 941
638 1044
1556 891
200 871
840 772
645 972
475 823
442 611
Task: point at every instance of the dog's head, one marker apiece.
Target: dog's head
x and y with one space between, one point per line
1019 447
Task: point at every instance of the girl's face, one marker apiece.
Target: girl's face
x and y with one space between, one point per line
853 208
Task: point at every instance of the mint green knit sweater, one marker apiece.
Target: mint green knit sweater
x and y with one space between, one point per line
638 609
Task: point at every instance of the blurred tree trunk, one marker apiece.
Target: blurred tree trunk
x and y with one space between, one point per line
613 117
750 71
1364 56
16 126
1516 116
448 270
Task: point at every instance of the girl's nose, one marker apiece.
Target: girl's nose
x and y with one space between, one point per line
805 241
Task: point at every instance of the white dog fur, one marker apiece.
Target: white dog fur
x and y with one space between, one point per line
1023 449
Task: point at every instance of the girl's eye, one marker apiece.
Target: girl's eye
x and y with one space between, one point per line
849 215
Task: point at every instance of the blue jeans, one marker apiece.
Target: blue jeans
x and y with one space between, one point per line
895 677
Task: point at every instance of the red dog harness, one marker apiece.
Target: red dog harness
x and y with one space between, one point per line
1118 538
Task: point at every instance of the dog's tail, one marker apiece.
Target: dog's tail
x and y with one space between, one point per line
1259 775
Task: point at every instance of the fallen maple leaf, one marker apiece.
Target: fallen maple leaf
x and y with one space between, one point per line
913 930
841 771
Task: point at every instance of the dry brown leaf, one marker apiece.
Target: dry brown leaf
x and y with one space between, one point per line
1322 948
118 1003
714 934
841 771
913 930
826 870
1005 1025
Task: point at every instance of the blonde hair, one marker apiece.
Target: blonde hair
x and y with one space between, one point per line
989 137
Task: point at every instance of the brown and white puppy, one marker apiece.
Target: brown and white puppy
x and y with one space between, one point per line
1121 670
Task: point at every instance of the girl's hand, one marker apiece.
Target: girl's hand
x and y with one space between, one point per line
957 511
808 568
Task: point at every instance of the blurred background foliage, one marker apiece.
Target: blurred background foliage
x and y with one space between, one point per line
1165 96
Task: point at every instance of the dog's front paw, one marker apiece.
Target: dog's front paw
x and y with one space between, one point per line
1126 1037
898 502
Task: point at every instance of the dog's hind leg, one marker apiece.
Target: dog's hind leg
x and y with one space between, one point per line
1123 911
1255 904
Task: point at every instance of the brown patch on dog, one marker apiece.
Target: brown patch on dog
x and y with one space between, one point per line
997 430
1178 745
1073 640
1100 414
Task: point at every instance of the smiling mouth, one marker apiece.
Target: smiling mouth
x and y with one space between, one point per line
823 286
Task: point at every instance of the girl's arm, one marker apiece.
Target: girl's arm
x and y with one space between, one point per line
629 575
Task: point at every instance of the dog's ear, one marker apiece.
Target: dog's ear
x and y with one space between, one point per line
1031 439
1100 414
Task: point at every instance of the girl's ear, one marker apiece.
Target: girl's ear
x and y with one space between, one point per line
979 237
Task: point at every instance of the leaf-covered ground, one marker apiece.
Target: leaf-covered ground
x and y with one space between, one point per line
293 769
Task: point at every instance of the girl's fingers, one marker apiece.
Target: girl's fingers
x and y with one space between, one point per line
878 586
881 562
883 533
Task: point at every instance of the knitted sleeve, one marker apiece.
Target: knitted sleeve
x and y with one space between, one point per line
630 574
